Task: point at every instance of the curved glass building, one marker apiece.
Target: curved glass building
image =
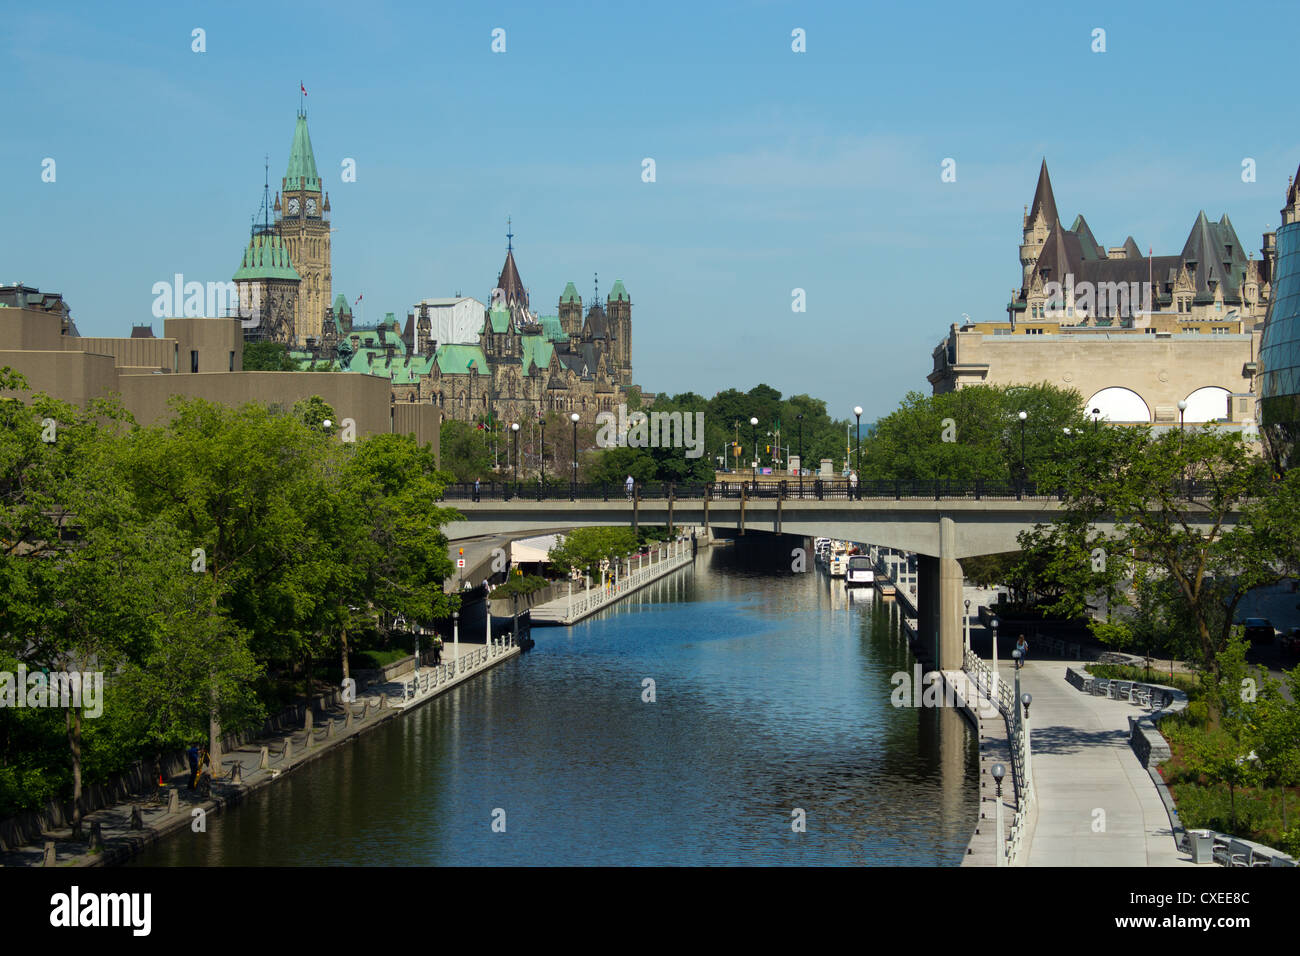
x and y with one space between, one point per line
1279 350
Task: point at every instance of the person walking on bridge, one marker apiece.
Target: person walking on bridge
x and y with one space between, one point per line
630 484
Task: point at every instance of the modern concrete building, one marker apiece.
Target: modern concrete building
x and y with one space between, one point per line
1135 335
197 357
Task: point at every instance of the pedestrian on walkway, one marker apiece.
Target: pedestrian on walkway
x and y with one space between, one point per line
193 755
853 484
476 489
1023 647
629 484
437 649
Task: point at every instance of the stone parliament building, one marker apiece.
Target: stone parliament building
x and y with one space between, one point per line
513 365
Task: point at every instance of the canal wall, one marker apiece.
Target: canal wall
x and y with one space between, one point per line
573 608
133 819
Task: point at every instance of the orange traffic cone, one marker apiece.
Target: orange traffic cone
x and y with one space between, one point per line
160 779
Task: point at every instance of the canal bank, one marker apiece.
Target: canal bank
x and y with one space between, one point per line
770 695
119 832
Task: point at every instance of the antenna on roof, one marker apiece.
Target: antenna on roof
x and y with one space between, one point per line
509 236
596 280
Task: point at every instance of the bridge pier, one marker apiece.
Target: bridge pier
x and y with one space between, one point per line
939 596
951 580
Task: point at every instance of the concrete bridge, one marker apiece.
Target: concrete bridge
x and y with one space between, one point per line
939 532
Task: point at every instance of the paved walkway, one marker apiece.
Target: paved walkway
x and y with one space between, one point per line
329 730
1082 763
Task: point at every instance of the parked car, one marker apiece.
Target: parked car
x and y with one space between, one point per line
1290 641
1258 630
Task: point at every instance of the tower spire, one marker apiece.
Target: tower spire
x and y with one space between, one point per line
596 281
509 236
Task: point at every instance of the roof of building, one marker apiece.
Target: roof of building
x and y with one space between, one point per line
596 326
341 306
510 283
553 329
1043 198
618 293
266 257
142 332
535 349
301 173
499 316
570 294
457 359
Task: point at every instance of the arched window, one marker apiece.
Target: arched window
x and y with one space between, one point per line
1119 404
1207 404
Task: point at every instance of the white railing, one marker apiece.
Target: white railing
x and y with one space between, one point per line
431 678
671 556
1001 694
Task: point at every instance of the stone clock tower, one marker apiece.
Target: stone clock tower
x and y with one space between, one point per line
302 215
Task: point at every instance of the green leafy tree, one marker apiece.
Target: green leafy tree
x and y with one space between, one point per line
1213 547
268 357
583 549
465 451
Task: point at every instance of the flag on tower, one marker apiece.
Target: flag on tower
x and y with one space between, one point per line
303 88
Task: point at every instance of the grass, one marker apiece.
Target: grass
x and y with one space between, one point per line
1204 805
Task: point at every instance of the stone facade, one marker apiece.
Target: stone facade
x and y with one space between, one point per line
1183 328
521 367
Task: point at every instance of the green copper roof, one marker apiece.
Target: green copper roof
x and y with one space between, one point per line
570 294
536 349
455 359
267 257
618 293
341 306
500 317
302 162
552 329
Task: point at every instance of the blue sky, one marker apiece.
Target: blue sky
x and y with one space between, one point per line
775 170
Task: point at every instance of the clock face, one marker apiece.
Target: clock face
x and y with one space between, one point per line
311 207
293 207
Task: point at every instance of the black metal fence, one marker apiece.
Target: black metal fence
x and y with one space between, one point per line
811 490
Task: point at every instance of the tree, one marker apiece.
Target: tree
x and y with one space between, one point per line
973 434
1215 547
268 357
583 549
1277 727
464 450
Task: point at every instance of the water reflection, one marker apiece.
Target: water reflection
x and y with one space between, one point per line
772 693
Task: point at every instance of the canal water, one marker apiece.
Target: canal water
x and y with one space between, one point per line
771 696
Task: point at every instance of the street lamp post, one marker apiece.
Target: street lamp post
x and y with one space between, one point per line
993 623
1027 699
1096 417
514 428
573 485
753 440
455 631
999 771
1182 409
1022 416
541 457
967 625
857 413
799 418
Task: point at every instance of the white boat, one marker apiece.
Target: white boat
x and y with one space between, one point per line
839 560
860 571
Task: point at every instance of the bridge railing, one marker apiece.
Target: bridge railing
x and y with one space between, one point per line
810 489
786 489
